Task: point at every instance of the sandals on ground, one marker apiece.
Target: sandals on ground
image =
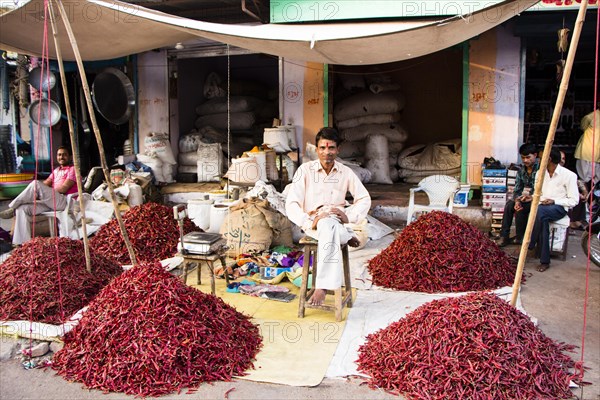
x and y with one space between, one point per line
543 267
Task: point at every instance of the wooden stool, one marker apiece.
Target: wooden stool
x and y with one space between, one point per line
209 259
342 296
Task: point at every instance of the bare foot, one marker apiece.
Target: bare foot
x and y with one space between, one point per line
318 297
354 242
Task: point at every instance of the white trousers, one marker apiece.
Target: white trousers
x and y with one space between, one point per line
584 170
331 234
24 208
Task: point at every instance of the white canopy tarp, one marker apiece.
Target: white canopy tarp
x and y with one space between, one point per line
110 29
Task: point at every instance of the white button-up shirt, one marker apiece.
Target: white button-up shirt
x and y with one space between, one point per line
312 188
561 187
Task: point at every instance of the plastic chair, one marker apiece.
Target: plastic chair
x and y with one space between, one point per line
440 190
66 219
97 212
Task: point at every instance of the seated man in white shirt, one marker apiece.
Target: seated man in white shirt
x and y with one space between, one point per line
316 202
559 194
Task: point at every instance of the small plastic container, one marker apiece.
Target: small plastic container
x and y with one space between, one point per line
461 198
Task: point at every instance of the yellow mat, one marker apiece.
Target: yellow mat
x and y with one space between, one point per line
296 351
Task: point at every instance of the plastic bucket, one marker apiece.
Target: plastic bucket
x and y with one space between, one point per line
461 198
199 212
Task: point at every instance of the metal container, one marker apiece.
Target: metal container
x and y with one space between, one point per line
43 83
45 112
113 95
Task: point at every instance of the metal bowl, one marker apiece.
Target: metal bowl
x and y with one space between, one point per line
48 112
43 83
113 95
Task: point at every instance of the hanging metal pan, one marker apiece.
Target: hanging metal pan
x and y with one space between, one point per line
40 82
113 95
44 114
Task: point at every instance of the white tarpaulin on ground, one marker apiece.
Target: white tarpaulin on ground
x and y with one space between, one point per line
377 309
110 29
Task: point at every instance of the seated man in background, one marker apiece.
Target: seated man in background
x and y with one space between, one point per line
518 207
577 213
55 188
316 202
559 194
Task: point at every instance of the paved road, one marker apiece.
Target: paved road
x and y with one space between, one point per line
554 297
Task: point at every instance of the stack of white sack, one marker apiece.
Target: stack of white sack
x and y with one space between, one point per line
377 113
158 155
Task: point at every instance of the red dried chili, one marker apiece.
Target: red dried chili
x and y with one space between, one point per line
148 334
475 346
152 230
440 252
29 280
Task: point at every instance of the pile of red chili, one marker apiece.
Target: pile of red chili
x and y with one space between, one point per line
153 233
440 252
469 347
148 334
45 280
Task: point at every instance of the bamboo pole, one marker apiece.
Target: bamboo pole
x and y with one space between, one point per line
539 178
86 90
74 149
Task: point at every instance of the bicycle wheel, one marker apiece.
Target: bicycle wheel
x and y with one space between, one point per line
594 247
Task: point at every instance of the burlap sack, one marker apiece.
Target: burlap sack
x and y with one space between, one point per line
440 156
253 226
377 160
395 132
390 118
218 105
367 103
279 223
238 121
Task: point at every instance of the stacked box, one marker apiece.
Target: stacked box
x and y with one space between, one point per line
494 195
494 201
511 177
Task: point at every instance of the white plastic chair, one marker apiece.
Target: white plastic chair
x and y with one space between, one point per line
97 212
66 220
440 190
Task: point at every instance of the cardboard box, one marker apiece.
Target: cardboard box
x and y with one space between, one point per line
494 206
486 172
272 272
494 189
493 181
495 197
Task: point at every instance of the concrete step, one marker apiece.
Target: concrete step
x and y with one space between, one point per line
396 215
